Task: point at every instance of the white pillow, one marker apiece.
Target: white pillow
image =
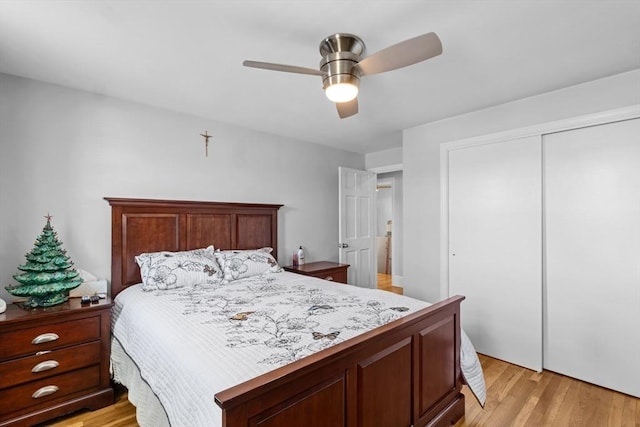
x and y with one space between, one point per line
169 270
472 369
237 264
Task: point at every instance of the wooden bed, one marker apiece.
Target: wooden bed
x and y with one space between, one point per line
405 373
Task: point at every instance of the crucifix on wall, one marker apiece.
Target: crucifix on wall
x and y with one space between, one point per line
206 142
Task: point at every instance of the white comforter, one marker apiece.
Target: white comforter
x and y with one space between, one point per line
241 330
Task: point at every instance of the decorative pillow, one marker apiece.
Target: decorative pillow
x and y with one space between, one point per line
236 264
472 369
168 270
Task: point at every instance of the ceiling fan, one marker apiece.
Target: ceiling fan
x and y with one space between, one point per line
342 67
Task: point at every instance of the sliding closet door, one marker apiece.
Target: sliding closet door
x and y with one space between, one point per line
495 247
592 223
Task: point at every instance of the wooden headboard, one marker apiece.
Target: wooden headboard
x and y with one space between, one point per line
142 225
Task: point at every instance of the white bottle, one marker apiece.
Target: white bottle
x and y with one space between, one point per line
300 256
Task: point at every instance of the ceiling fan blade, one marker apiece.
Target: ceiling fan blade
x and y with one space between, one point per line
282 67
347 109
402 54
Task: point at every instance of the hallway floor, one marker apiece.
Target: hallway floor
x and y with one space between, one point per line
384 283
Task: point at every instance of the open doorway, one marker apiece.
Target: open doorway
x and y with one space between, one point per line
389 231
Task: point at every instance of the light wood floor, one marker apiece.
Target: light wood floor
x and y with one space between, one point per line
519 397
384 283
516 397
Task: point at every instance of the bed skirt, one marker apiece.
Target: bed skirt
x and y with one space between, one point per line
149 410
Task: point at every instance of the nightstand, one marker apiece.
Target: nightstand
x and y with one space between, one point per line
54 360
322 269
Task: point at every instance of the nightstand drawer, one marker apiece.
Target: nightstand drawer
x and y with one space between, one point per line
50 363
47 337
41 391
326 270
338 275
67 345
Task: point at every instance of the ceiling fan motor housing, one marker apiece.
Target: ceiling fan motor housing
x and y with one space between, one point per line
340 52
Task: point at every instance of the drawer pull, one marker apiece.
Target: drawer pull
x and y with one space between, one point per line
329 278
44 391
45 366
40 353
43 338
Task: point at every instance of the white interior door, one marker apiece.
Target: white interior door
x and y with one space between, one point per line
357 229
495 247
592 223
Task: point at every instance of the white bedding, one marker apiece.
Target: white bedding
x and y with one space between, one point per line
239 331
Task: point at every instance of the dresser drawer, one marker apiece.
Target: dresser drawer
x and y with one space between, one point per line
23 396
50 363
46 337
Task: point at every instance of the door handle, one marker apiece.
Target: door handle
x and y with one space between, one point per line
343 245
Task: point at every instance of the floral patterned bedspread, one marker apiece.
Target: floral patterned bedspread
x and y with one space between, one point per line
190 343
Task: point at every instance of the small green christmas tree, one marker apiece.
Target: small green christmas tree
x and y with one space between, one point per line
47 275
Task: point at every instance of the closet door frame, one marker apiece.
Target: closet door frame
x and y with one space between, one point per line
609 116
534 133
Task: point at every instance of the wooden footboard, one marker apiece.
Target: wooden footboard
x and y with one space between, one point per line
405 373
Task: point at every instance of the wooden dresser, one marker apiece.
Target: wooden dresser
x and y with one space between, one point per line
322 269
54 360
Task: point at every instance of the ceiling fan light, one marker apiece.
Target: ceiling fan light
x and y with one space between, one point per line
341 92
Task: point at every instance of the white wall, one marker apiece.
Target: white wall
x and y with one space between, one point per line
63 150
384 161
384 213
384 208
397 226
421 160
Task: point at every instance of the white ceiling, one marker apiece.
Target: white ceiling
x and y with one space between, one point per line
187 56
